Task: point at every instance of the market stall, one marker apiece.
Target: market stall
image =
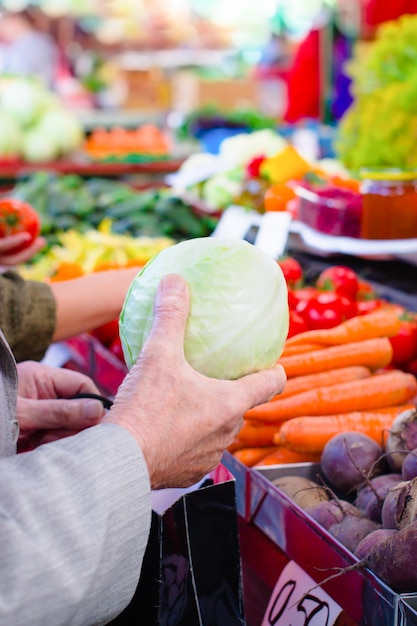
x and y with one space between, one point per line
172 130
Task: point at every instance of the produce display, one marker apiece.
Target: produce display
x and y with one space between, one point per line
144 143
350 362
205 119
34 126
365 498
378 129
237 324
69 202
78 253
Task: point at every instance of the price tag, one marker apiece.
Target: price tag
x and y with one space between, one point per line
297 601
267 231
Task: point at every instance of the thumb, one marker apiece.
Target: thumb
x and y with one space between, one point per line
171 309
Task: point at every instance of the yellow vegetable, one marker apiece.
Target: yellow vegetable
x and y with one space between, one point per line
285 166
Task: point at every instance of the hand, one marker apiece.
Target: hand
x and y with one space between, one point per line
9 259
182 420
44 411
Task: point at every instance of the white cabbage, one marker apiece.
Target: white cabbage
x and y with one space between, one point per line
238 320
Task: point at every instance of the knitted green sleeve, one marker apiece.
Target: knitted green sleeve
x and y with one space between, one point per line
27 315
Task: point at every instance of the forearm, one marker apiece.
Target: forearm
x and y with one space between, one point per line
27 315
87 302
75 518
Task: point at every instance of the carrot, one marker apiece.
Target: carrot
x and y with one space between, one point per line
236 444
311 433
282 455
249 456
372 353
375 392
322 379
384 322
290 350
255 434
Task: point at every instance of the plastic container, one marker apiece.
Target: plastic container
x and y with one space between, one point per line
389 204
331 210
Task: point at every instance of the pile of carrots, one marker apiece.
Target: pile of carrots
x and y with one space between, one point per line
338 379
147 139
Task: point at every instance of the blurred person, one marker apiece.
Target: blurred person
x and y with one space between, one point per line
75 513
25 49
317 85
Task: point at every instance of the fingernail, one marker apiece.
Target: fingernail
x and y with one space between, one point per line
93 410
172 282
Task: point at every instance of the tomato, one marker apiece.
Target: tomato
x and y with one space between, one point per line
292 270
404 344
326 310
277 197
107 333
253 167
411 367
340 279
17 216
367 306
297 324
297 296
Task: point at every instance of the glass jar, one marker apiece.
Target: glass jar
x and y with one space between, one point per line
389 207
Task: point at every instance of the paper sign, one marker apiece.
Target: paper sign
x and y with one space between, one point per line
297 601
267 231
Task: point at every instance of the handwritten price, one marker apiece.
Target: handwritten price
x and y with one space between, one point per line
294 602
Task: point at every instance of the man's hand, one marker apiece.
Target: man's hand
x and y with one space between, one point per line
182 420
44 409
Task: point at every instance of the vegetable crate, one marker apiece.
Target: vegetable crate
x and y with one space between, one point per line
88 356
275 533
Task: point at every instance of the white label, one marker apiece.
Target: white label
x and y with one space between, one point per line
267 231
297 601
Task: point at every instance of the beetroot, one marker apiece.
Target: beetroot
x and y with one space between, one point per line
402 438
406 510
389 517
352 529
349 458
393 560
371 496
409 466
370 540
330 512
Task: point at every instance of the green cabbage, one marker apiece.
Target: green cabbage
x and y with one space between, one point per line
11 137
238 320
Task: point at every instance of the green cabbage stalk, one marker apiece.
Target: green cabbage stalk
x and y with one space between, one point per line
238 319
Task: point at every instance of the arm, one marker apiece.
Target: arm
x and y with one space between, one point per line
73 547
87 302
33 314
75 514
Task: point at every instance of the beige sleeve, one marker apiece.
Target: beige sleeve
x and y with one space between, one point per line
27 315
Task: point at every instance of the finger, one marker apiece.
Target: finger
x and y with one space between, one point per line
171 309
68 383
25 255
261 386
52 414
11 241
